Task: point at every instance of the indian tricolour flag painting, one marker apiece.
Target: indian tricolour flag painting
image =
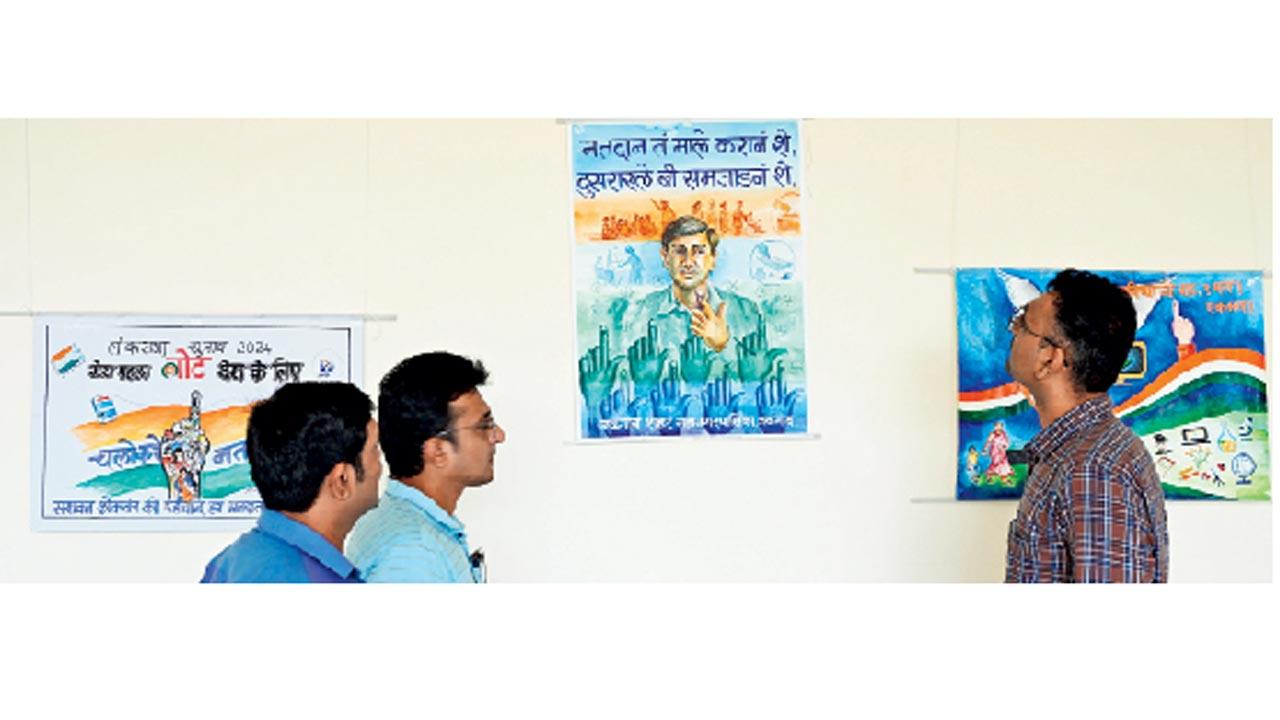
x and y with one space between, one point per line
1194 387
139 422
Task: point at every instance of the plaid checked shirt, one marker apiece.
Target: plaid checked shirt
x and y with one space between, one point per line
1092 509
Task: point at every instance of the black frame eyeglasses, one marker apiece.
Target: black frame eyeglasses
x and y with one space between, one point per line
1018 324
489 427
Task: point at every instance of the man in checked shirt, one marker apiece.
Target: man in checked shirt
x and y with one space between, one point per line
1092 509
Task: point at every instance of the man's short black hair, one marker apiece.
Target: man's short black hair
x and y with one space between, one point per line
298 434
689 225
413 404
1097 318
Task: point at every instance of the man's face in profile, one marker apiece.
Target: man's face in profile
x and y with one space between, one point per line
475 439
690 260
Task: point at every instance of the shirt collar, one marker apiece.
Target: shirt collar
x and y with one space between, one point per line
671 304
305 539
420 500
1085 415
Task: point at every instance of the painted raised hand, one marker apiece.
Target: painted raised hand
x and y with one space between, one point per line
695 362
619 414
1183 329
755 357
710 324
669 404
646 362
597 374
775 405
720 405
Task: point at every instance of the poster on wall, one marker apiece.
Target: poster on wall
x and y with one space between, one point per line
138 423
1193 387
688 279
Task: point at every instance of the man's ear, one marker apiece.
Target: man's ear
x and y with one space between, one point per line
1053 362
435 452
340 483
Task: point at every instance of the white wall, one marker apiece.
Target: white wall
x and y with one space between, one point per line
461 229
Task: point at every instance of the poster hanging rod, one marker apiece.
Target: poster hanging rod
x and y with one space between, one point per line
675 439
949 500
952 271
952 500
367 317
645 121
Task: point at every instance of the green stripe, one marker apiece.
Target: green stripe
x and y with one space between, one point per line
1228 377
1210 408
217 483
995 413
1157 417
1177 492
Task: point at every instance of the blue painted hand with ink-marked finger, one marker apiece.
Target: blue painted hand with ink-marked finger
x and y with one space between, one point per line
695 362
755 357
669 405
597 374
619 414
646 362
775 405
720 405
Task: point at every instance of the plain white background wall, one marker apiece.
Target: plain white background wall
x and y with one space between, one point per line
461 229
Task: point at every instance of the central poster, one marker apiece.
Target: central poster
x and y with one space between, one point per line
688 279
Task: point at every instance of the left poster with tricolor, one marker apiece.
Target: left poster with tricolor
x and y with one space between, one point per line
138 423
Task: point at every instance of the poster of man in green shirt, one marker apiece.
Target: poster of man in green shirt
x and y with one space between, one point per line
690 323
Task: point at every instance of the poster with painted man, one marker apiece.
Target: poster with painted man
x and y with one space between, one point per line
688 279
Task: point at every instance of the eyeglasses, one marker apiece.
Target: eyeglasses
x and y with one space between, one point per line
489 427
1018 324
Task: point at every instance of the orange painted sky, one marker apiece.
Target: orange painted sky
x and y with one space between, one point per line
223 425
760 203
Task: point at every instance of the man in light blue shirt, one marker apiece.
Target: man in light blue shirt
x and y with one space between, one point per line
313 455
439 438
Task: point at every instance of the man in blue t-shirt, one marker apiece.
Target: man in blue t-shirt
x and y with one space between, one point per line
440 438
313 455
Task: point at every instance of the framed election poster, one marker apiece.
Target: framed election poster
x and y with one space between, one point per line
138 422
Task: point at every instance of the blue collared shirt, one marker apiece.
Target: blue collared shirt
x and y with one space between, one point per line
280 550
409 538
